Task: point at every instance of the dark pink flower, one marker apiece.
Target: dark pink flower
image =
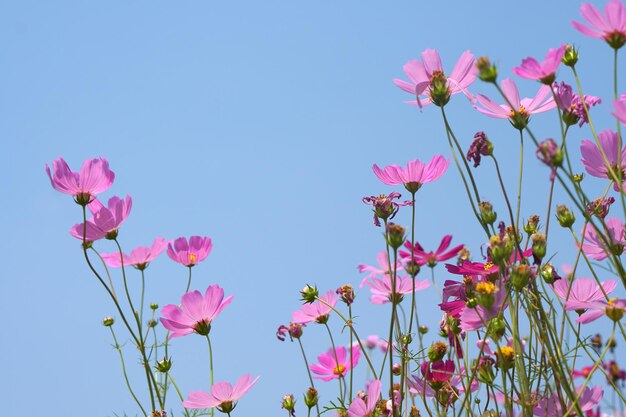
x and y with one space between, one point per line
521 109
105 221
595 248
481 146
196 313
620 109
571 105
414 175
610 26
551 406
384 206
223 395
139 257
541 71
317 311
428 81
365 408
336 363
584 372
431 258
594 161
578 294
190 253
94 177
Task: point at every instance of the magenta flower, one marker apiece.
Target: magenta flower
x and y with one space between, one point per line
317 311
594 161
335 364
361 408
582 292
94 177
428 83
551 406
437 375
223 395
595 248
545 71
521 110
105 221
610 26
431 258
192 253
415 174
381 288
384 206
571 104
196 313
620 109
139 257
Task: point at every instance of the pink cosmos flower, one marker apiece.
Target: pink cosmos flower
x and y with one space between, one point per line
431 258
614 308
223 395
317 311
139 257
105 221
551 406
196 313
437 375
541 71
611 26
583 373
335 364
415 174
428 77
380 270
190 253
594 161
361 408
381 288
572 105
94 177
594 247
521 110
582 292
620 109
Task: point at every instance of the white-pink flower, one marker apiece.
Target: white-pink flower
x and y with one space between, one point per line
223 395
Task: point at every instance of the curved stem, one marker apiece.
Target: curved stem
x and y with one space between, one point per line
130 389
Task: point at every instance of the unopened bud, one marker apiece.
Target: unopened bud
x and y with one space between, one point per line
520 276
423 329
309 294
310 397
487 214
437 351
570 58
164 365
108 321
531 225
289 403
152 323
487 72
395 235
154 306
565 216
396 369
539 245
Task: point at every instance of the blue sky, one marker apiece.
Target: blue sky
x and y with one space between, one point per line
255 123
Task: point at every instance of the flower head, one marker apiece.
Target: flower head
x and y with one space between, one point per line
382 269
381 288
415 174
190 253
593 159
139 257
336 363
105 221
572 106
93 178
551 406
429 84
541 71
196 313
594 246
578 294
614 309
421 257
610 26
223 395
620 109
365 408
521 109
384 206
317 311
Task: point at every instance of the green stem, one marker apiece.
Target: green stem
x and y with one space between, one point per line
180 395
210 365
308 371
130 389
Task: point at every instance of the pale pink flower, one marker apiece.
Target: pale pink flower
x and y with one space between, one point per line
317 311
371 341
594 161
582 291
190 253
422 74
196 313
223 395
139 257
361 408
615 308
620 109
541 71
105 221
610 26
521 109
94 177
382 291
594 247
415 174
551 406
335 363
382 269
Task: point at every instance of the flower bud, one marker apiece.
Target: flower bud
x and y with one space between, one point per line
152 323
505 356
531 225
414 412
464 255
346 294
471 302
487 214
439 91
487 72
395 235
108 321
437 351
548 273
309 294
578 177
310 397
289 404
407 339
164 365
501 248
396 369
412 268
565 216
154 306
539 245
496 328
520 276
484 369
423 329
570 58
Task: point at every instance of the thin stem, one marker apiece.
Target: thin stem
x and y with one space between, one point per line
180 395
519 184
308 371
130 389
210 365
143 289
332 342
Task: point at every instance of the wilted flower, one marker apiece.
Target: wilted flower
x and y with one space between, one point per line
481 146
384 206
600 206
571 105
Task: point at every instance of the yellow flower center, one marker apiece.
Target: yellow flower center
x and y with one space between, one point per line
192 258
485 288
488 266
506 352
339 370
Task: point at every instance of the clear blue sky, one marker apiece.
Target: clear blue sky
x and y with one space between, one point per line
255 123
